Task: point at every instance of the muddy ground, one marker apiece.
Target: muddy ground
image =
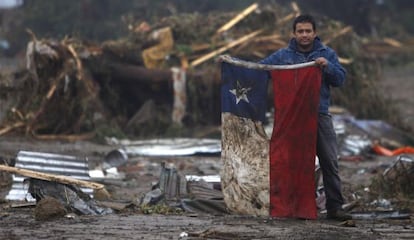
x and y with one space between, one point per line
141 172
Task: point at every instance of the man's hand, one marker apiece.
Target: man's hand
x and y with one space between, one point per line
223 58
321 62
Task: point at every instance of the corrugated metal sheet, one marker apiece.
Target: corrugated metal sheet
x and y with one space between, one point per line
169 147
57 164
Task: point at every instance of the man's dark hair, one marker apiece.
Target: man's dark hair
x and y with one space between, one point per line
306 18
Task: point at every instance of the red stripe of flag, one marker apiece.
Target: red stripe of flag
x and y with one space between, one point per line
293 142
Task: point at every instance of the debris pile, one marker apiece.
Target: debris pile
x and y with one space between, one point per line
163 75
396 182
189 194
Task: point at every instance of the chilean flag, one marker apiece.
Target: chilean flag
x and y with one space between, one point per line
262 175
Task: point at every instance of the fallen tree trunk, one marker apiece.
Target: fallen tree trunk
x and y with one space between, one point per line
129 73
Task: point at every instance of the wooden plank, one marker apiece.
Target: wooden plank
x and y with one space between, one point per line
343 31
296 12
238 18
11 127
393 42
51 177
226 47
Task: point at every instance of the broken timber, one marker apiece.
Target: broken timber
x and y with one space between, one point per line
51 177
222 49
238 18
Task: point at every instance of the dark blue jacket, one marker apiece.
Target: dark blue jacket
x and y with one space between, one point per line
333 74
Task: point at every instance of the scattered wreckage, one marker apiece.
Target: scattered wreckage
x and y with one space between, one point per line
70 87
162 78
69 180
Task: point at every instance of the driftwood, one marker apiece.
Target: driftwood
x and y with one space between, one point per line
338 34
296 12
225 48
11 127
51 177
100 191
238 18
64 137
393 42
134 74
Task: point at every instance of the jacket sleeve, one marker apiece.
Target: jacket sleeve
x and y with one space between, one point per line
334 72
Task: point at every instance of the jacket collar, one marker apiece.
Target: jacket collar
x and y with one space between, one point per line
317 44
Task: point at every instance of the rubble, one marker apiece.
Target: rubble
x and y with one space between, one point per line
47 166
188 193
396 181
70 196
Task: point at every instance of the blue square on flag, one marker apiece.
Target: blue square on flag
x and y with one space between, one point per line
244 91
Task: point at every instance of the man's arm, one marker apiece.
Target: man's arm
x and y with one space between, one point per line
335 73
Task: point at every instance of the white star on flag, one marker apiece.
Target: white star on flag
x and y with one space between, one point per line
240 93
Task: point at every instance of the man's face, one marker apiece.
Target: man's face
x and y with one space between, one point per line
304 35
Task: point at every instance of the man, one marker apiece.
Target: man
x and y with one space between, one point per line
305 46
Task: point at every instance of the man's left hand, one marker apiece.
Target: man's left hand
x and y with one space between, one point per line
321 62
